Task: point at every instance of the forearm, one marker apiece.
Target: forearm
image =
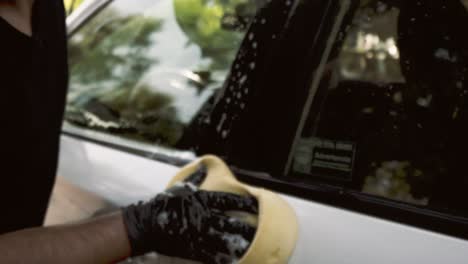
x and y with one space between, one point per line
101 240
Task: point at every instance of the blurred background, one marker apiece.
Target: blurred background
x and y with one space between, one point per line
71 5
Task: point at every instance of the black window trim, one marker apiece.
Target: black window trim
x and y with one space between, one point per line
84 13
316 81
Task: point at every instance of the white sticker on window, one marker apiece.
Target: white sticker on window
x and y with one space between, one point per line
325 158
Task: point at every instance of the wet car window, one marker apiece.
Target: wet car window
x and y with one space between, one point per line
143 70
389 114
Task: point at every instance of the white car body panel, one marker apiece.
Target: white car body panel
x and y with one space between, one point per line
328 235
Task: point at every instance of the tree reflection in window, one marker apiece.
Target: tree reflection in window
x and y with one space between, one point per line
143 70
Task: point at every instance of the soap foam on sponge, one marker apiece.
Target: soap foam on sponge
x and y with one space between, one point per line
277 225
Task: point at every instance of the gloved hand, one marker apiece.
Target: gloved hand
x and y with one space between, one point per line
190 223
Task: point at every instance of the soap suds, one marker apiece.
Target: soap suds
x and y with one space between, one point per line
163 219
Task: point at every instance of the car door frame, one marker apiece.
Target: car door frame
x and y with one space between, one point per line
300 56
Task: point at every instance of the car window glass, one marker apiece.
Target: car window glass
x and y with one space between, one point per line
144 69
390 113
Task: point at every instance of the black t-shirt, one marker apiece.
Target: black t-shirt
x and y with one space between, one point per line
33 82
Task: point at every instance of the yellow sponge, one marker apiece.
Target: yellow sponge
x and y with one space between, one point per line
277 227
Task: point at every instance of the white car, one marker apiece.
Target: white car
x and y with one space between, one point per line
336 105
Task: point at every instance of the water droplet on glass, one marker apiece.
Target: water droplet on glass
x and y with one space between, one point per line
220 124
243 80
398 97
224 133
381 7
424 101
455 113
368 110
444 54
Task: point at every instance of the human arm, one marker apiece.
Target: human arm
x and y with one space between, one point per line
182 222
100 240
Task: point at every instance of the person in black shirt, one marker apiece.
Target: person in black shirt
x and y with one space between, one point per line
33 78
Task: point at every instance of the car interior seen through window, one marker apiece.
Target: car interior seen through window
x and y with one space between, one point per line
389 111
143 71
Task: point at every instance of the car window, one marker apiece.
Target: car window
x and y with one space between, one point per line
144 69
388 111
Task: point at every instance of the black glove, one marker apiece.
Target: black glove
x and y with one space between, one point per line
190 223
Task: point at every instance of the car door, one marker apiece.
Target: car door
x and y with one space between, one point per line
156 83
